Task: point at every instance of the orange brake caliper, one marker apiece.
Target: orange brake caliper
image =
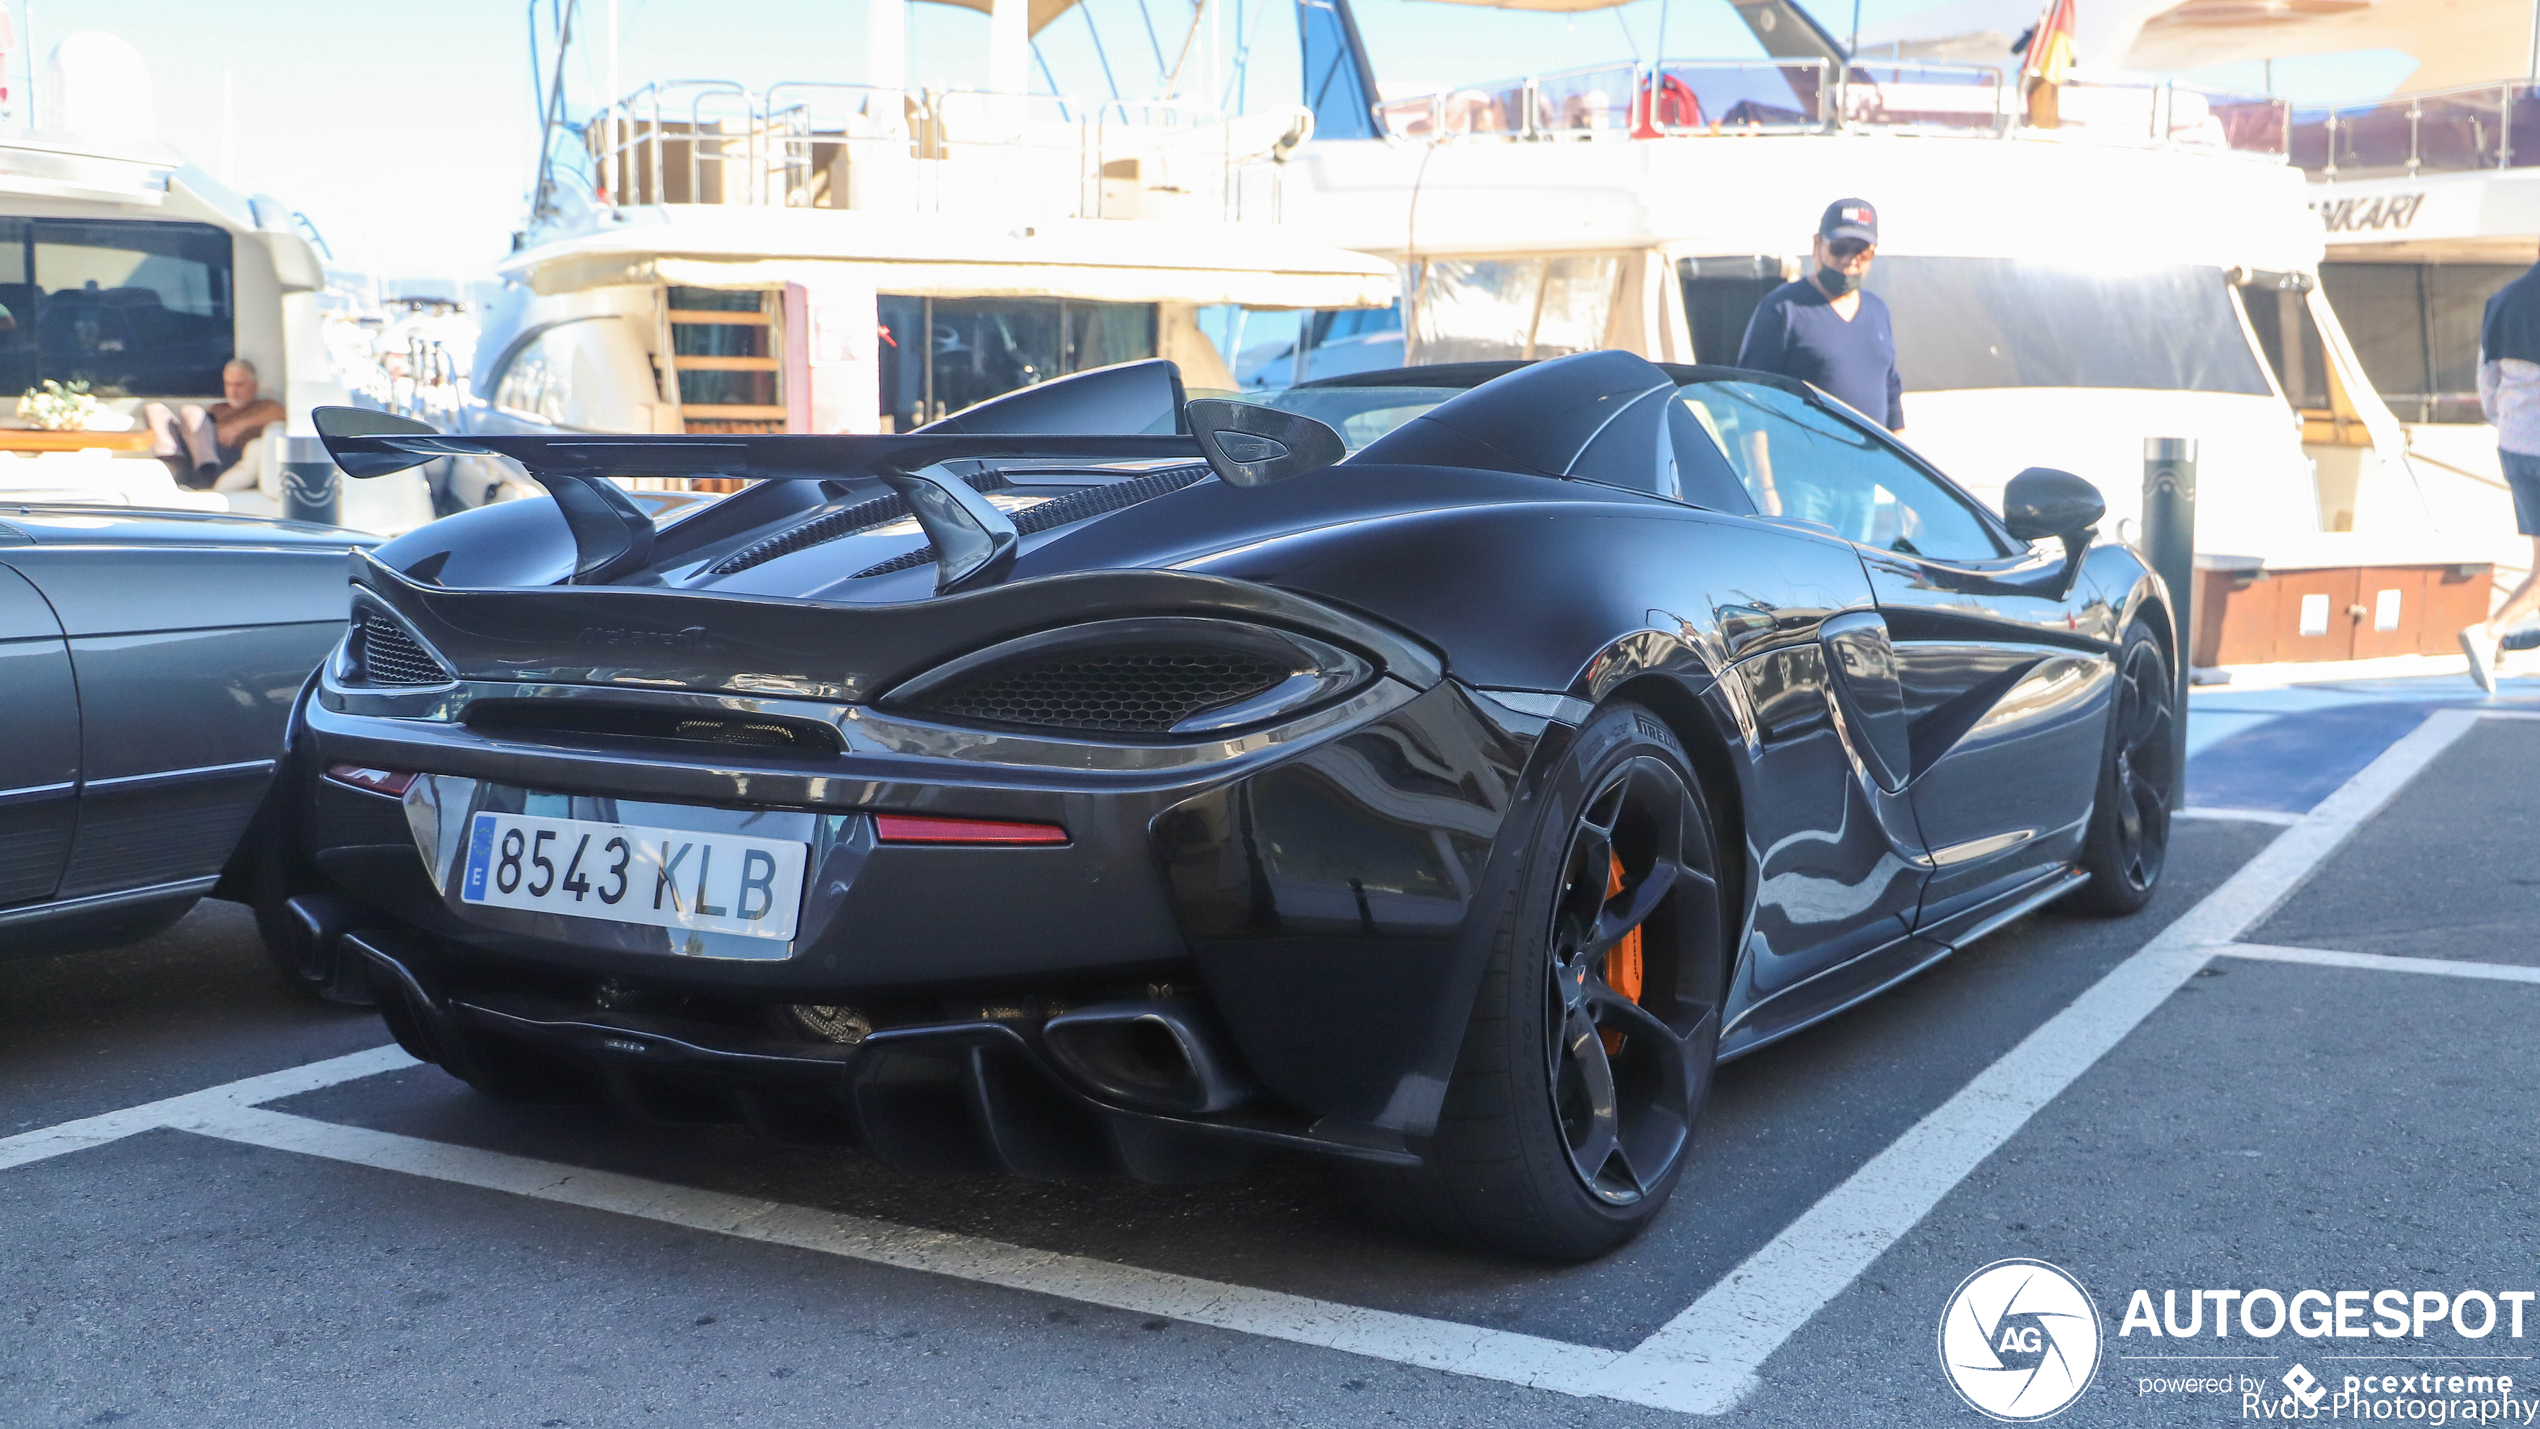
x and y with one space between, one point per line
1622 961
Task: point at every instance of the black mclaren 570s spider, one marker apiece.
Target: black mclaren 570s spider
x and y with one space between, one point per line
1440 770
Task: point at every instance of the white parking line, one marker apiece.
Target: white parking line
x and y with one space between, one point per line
1408 1339
91 1131
1702 1362
2380 962
1707 1359
2245 816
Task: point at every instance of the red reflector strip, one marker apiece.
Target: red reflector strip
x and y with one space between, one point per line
393 782
930 829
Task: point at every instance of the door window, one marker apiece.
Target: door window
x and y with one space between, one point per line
1803 463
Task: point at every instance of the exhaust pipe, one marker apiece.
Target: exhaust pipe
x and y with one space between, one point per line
1157 1055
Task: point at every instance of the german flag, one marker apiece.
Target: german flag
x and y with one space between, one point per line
2048 63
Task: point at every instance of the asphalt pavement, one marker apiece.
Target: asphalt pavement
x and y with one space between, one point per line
2338 1103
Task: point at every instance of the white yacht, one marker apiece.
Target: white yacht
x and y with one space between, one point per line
2060 294
125 269
827 257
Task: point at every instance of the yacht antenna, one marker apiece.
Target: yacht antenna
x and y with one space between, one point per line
553 109
1173 81
1658 62
615 158
1152 42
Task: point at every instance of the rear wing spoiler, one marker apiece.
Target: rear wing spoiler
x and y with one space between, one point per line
1131 412
612 535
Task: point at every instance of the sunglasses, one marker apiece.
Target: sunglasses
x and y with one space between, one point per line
1848 249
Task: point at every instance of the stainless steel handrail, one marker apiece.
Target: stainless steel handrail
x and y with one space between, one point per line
754 139
2330 128
1831 102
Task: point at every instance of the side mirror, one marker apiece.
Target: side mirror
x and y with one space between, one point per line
2042 502
1251 445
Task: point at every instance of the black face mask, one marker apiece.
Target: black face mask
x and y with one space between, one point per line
1834 281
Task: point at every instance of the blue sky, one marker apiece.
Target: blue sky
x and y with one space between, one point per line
408 132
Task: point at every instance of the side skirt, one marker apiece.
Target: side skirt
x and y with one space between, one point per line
99 920
1839 988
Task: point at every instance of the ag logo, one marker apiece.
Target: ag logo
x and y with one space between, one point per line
2019 1340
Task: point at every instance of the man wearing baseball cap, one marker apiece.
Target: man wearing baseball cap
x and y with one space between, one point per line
1823 329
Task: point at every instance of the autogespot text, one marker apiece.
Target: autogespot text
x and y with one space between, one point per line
2462 1325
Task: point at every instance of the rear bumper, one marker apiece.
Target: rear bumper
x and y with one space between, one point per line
981 1094
1315 889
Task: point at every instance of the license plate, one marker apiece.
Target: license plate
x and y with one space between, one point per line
626 873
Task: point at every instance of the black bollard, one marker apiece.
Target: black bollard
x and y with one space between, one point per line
311 487
2169 548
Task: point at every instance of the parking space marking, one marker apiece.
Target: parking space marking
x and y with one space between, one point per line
86 1132
1709 1357
2245 816
2379 962
1408 1339
1702 1362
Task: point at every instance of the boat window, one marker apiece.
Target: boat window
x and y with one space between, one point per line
1483 310
537 383
1965 323
1803 463
2281 317
134 308
723 350
1359 414
2415 328
1721 295
940 355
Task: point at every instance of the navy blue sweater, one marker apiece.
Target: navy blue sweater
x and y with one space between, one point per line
1797 333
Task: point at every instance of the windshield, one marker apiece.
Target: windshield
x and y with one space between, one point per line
133 308
1965 323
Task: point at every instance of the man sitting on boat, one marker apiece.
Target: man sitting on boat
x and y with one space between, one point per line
199 443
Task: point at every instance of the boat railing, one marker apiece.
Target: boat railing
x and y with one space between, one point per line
1725 97
815 144
2490 126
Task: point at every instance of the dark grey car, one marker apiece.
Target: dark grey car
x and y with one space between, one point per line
148 665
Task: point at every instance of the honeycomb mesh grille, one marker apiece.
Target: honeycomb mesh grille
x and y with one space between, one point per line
1138 691
389 656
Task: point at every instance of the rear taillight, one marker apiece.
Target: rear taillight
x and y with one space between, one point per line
934 829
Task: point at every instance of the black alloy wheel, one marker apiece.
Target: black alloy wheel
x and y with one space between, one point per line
2129 836
1617 1072
1589 1054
